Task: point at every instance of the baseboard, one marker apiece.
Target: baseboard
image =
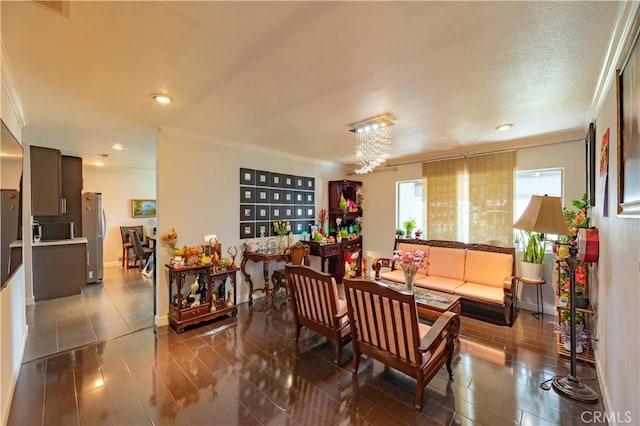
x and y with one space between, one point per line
161 321
14 378
547 309
604 389
29 301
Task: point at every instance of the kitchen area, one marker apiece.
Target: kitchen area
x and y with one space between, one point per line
67 227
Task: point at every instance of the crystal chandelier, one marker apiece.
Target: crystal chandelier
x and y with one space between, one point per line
373 142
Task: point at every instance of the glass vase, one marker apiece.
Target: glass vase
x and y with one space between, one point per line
408 279
282 243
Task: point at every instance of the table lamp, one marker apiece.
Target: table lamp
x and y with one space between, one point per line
544 215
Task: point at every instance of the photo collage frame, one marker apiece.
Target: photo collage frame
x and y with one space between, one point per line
266 197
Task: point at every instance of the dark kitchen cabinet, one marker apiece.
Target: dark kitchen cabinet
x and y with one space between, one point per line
72 191
46 181
59 270
56 187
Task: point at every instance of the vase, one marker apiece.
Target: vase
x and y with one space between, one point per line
282 244
567 345
408 279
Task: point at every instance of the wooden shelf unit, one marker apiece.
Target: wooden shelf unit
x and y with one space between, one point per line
210 283
587 354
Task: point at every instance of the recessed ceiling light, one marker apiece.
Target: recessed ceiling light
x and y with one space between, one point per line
161 98
504 126
117 146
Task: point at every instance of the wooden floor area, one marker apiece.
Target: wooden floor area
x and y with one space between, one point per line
249 371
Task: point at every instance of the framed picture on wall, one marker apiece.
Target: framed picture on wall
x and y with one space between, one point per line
275 180
262 195
247 212
247 194
591 164
263 228
247 176
143 208
262 178
247 230
629 132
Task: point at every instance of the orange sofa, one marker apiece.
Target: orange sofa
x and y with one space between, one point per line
483 275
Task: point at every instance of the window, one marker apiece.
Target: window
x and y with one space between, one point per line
536 182
409 202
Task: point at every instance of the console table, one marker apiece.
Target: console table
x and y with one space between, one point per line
192 302
332 256
265 258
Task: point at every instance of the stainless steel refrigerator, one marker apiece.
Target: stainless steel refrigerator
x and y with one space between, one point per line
93 229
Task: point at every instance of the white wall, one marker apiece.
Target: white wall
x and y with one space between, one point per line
199 194
13 324
618 285
118 188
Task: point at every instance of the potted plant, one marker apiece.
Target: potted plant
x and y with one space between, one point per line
533 249
409 225
399 233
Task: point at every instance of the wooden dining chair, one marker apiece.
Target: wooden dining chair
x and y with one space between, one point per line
142 253
384 326
316 305
297 254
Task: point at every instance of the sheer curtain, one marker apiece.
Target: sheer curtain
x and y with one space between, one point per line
470 199
491 198
441 184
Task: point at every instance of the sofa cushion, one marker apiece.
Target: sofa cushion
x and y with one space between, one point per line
481 293
405 247
488 268
447 262
397 275
446 285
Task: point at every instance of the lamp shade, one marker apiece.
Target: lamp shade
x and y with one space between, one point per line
543 215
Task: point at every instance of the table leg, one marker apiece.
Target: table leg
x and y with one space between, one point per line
248 278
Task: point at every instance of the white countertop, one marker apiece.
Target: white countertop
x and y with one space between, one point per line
79 240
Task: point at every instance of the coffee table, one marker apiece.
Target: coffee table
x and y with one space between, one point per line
430 303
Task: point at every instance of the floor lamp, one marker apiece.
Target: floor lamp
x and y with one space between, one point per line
544 215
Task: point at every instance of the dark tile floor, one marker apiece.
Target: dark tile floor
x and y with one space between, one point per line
248 370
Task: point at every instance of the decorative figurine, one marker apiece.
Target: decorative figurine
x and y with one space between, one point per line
233 252
214 300
230 298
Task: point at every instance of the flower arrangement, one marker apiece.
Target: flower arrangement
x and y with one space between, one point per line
576 219
170 239
563 328
281 228
410 262
564 280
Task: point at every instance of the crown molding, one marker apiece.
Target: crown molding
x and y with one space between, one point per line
624 29
10 89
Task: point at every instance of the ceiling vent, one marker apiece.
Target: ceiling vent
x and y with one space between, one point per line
59 6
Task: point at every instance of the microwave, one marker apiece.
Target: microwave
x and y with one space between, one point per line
57 231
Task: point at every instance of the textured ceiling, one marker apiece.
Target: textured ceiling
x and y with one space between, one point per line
292 75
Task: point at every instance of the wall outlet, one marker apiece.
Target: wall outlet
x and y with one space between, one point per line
90 274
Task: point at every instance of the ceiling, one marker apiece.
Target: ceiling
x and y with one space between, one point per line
292 76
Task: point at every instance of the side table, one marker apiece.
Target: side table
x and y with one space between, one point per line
539 300
265 258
